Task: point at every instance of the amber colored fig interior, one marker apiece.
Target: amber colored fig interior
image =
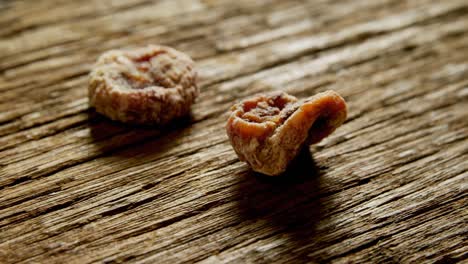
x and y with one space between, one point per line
147 76
265 109
135 81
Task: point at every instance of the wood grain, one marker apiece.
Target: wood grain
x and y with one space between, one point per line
388 186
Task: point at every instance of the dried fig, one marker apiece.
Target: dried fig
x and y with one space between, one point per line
268 130
148 85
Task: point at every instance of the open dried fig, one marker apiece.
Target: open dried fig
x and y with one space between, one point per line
268 130
148 85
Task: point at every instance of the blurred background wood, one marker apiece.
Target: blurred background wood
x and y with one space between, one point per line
388 186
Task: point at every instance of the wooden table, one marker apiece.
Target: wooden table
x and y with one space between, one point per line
390 185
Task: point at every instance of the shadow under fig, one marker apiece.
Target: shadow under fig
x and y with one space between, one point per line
128 140
289 202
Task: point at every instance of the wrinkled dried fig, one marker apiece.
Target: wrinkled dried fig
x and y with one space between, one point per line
149 85
268 130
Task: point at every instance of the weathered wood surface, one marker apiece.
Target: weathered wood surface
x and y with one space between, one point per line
388 186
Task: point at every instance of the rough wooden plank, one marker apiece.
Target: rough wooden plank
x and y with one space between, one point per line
346 56
389 186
